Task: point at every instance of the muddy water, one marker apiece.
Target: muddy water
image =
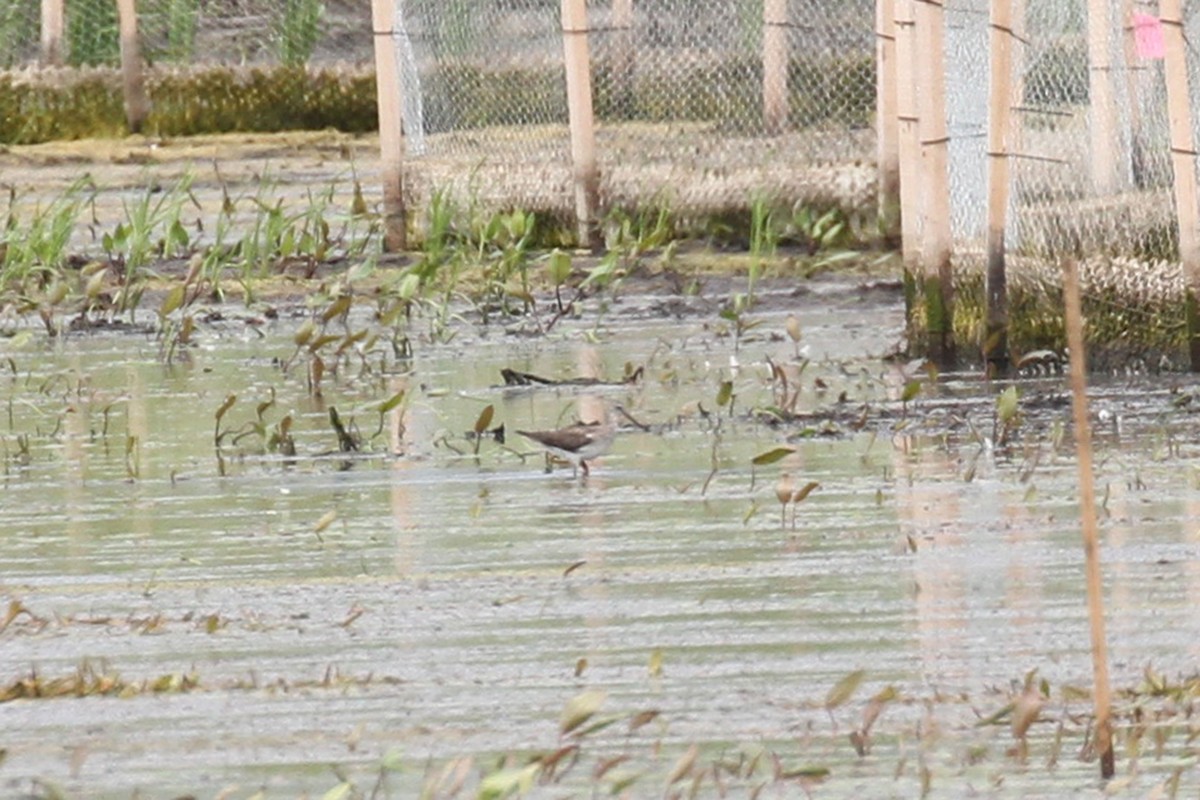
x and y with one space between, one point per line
416 605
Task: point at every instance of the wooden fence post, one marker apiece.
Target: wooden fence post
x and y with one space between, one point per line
1102 122
775 66
1183 163
1000 100
886 123
53 19
937 275
133 80
909 137
391 129
583 122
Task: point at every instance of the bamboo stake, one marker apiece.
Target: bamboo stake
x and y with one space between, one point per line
388 100
1087 512
1000 99
583 123
137 105
775 65
53 17
909 137
1183 164
886 122
1103 125
937 278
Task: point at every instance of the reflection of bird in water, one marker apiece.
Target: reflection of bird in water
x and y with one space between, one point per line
577 444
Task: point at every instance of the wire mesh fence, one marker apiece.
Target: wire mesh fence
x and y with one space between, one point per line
1085 178
682 111
677 92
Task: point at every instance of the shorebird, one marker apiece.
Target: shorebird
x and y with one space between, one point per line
579 443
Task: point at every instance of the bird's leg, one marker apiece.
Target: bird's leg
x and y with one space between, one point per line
584 465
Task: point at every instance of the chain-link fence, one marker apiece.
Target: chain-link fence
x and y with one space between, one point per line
677 88
1084 178
193 32
679 102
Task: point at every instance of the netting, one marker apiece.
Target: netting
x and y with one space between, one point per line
677 90
679 102
195 32
1085 178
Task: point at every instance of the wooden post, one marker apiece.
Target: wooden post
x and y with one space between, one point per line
1000 101
886 123
1135 72
623 58
937 277
775 66
391 130
52 32
583 123
1183 164
909 138
1087 514
1102 118
137 105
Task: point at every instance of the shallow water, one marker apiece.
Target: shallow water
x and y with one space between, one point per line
416 603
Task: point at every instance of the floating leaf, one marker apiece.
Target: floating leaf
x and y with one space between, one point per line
580 709
844 689
771 456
